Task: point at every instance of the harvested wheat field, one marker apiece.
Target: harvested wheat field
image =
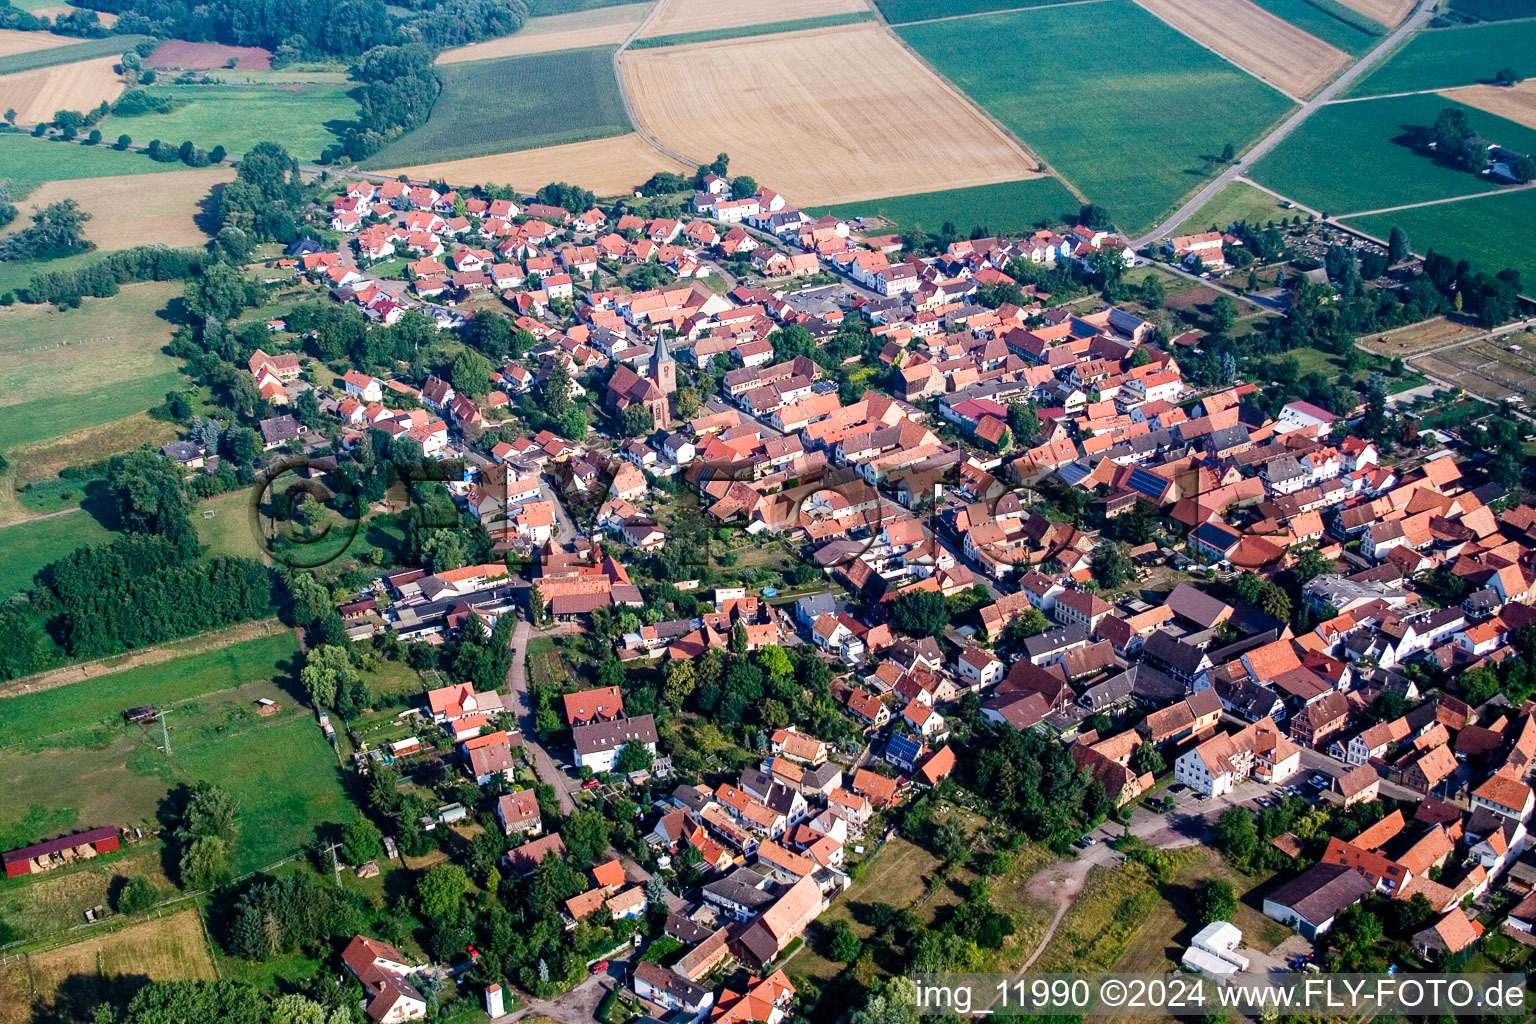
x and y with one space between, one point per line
1265 46
705 15
827 116
1388 12
13 41
126 211
1514 102
38 94
606 166
603 26
161 949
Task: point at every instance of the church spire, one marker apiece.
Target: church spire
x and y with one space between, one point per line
663 366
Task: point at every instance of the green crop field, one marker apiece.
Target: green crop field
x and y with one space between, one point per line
1350 157
1011 207
27 547
544 8
1330 21
1448 57
1474 229
901 11
87 49
27 162
1493 10
62 371
736 32
1238 201
1131 126
237 117
512 103
280 770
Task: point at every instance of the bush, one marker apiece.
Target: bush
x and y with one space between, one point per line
137 895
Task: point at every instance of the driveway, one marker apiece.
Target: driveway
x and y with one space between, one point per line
544 765
579 1005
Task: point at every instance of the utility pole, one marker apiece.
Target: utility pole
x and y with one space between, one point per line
335 864
165 732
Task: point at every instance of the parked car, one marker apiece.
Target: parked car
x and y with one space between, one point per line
598 968
590 784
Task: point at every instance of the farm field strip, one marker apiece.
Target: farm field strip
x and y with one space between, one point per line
677 16
598 27
23 51
1485 370
238 117
1387 12
14 41
1133 128
606 166
37 94
1445 58
28 162
759 29
167 948
1239 201
1263 44
179 53
1493 231
124 213
816 127
916 12
1010 207
1408 341
1329 21
1515 103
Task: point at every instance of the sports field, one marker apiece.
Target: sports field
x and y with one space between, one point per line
1447 57
27 162
1493 232
1238 201
1329 21
515 103
1132 126
606 166
279 769
237 117
1515 103
898 12
674 16
1011 207
62 371
1352 157
816 126
37 94
68 981
124 213
598 27
1261 43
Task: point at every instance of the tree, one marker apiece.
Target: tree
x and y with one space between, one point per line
1215 900
845 945
638 421
1507 76
1023 421
633 757
921 613
470 373
1032 623
310 598
210 811
535 605
57 229
361 841
124 141
441 892
1094 216
1236 835
1112 565
1397 245
744 187
327 671
585 834
204 863
680 683
1223 315
137 895
1145 760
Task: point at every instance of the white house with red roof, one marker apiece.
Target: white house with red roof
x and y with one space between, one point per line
362 387
385 976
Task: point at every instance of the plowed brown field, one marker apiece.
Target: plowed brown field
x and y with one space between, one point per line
1515 102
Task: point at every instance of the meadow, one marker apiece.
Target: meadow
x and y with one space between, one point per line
1130 128
87 49
1011 207
1474 229
279 768
27 162
64 370
544 8
1352 157
1238 201
306 118
27 547
514 103
761 29
1448 57
900 11
1330 21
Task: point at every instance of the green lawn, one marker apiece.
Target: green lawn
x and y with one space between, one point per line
86 49
736 32
514 103
305 118
1493 233
1238 201
1129 127
1011 207
1350 157
27 547
279 769
64 370
1448 57
1329 21
27 162
228 531
899 11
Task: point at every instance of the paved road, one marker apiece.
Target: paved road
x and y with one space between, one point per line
1274 138
517 682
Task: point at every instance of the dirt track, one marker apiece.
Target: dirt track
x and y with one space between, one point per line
1515 102
38 94
1262 44
824 116
606 166
704 15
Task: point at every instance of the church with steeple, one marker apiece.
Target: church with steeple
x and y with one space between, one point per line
652 390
